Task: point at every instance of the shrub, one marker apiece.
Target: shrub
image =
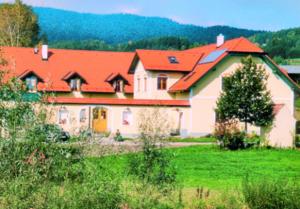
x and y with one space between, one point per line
95 191
267 194
153 165
229 135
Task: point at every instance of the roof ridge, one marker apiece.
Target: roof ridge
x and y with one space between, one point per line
238 42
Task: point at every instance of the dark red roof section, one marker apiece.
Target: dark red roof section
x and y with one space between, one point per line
93 66
116 101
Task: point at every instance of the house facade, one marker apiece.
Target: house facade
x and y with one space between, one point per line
108 91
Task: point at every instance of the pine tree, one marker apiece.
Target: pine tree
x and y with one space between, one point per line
245 96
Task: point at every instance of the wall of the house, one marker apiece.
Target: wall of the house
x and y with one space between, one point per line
199 119
115 118
151 91
205 93
280 135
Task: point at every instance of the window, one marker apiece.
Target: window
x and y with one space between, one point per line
127 117
63 116
138 84
145 84
119 85
103 114
82 116
31 83
75 84
162 82
173 60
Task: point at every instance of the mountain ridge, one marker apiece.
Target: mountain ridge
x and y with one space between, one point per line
122 28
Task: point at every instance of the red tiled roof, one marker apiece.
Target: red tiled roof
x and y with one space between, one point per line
159 60
98 68
238 45
93 66
116 101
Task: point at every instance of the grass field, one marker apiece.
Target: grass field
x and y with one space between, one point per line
217 169
295 61
201 139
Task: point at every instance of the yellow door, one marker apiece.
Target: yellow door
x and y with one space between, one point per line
99 120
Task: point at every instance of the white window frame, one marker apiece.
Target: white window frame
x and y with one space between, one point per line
127 117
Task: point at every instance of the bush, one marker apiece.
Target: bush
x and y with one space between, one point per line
95 191
269 194
229 135
153 165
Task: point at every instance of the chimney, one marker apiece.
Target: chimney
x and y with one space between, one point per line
220 40
45 52
36 50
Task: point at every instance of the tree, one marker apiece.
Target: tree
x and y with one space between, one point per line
18 25
245 96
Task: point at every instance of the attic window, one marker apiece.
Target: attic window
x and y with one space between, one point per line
74 80
75 84
173 60
31 83
119 85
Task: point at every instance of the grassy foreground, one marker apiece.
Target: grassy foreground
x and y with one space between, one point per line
217 169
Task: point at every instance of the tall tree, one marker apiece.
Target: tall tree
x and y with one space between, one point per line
245 96
18 25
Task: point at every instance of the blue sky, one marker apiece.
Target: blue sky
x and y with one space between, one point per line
252 14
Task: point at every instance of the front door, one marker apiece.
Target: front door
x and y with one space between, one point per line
99 120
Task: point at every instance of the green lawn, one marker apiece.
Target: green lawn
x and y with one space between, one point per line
202 139
217 169
295 61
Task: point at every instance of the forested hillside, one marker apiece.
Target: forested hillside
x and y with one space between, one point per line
163 43
60 25
283 44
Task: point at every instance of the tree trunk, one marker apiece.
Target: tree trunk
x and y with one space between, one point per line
246 127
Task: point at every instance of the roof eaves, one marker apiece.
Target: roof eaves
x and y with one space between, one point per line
284 76
27 72
72 73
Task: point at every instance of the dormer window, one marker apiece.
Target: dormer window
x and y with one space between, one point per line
117 81
75 81
75 84
31 83
173 60
162 82
119 85
30 79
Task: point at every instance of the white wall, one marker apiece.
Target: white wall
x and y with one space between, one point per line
204 96
151 91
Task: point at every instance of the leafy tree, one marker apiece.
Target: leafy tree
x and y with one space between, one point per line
283 43
163 43
245 96
18 25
